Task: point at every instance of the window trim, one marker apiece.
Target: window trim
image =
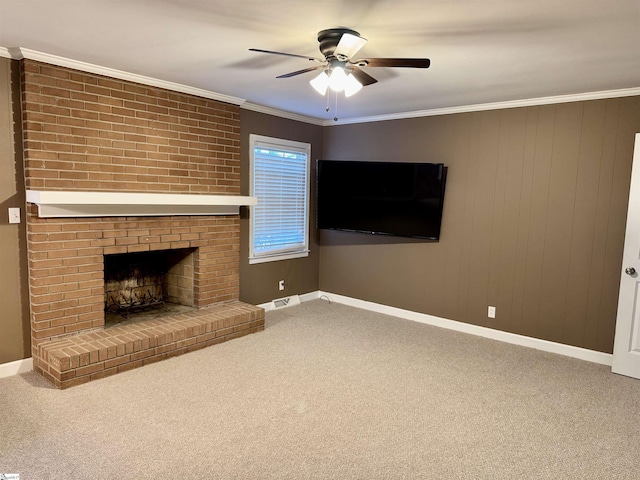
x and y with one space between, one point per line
283 144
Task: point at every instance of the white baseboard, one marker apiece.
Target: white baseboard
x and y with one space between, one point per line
16 368
305 297
310 296
26 365
513 338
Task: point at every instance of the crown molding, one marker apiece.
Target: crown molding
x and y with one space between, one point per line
20 53
122 75
281 113
529 102
5 52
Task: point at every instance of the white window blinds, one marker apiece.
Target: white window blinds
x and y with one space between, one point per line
280 181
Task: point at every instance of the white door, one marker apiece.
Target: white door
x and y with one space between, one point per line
626 347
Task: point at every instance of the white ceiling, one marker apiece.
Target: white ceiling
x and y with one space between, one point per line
481 51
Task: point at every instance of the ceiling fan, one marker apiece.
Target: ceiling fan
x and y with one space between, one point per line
339 70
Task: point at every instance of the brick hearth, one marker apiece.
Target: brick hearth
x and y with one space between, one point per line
80 358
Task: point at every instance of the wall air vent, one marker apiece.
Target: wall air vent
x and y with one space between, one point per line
285 302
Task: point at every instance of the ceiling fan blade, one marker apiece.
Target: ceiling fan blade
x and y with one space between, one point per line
394 62
286 54
364 78
349 45
298 72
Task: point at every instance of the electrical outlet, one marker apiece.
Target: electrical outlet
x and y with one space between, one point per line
491 313
281 285
14 215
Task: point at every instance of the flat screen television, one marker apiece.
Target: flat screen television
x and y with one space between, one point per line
385 198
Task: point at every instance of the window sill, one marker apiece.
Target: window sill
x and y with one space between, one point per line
275 258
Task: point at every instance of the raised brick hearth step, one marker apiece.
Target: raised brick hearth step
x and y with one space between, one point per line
81 358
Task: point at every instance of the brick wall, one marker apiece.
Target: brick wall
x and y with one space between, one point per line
87 132
84 132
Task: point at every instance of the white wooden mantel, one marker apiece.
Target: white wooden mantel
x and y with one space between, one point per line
54 203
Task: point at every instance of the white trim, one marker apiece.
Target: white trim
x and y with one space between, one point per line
515 339
292 251
26 365
305 297
59 204
20 53
281 113
16 368
122 75
275 258
4 52
528 102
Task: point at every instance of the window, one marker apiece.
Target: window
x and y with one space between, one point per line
280 179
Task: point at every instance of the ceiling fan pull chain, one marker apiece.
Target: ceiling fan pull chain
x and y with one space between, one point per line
335 118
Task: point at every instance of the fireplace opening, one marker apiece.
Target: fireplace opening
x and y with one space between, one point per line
146 285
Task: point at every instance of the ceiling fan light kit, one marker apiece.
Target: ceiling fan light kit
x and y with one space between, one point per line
337 80
351 86
339 71
321 83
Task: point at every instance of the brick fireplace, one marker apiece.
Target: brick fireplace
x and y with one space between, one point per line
87 133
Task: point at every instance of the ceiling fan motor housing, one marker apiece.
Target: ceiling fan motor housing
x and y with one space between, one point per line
330 38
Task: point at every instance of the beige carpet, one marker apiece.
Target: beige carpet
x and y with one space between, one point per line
331 392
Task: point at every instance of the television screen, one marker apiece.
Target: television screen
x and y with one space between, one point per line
387 198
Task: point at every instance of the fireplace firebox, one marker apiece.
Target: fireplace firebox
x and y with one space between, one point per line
142 285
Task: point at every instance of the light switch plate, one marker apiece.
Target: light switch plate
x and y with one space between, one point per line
14 215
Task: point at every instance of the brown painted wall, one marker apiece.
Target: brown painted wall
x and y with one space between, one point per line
259 282
533 220
14 302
